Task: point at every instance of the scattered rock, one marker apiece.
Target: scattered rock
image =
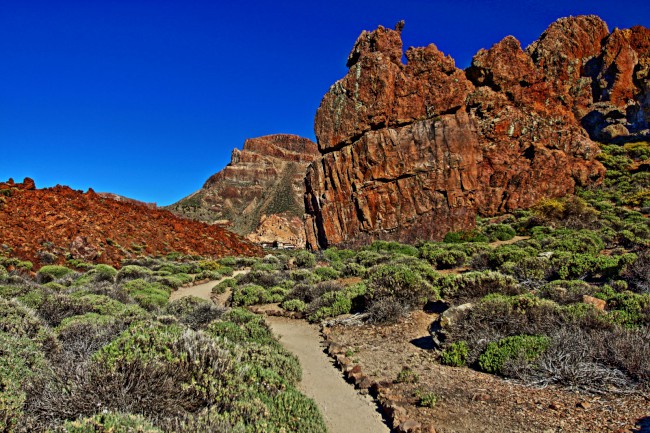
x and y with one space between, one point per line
445 320
584 405
410 426
598 303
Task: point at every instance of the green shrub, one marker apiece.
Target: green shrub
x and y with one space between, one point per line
20 361
104 273
305 259
304 276
149 295
566 291
13 291
4 275
629 309
333 254
133 272
472 285
509 253
499 232
22 322
194 312
528 270
250 294
443 258
353 269
396 281
228 261
528 347
393 248
224 285
51 272
455 354
110 422
331 304
326 273
465 236
407 375
574 241
294 305
427 399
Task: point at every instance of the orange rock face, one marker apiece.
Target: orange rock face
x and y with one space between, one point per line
266 178
53 224
413 151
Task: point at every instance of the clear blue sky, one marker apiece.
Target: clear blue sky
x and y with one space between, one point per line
146 98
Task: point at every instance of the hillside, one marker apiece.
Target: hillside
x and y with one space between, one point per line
54 225
260 193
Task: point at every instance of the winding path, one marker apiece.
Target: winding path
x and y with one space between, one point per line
343 408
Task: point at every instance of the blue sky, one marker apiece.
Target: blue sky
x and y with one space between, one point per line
146 98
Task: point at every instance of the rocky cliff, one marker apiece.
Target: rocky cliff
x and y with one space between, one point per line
260 193
413 151
53 225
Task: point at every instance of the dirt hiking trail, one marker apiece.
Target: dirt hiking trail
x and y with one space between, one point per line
343 408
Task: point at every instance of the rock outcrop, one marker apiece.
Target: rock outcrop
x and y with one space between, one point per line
260 193
413 151
53 225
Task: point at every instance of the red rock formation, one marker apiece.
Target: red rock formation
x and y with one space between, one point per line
601 76
413 151
60 223
265 178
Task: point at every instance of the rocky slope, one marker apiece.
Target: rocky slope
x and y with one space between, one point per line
260 193
413 151
53 225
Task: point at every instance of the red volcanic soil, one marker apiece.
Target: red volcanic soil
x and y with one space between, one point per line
52 225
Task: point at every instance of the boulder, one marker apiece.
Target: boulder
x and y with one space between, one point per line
448 318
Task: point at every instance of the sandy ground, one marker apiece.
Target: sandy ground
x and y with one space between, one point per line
470 401
344 409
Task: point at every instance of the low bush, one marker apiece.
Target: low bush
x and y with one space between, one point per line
294 305
224 285
443 258
407 375
499 232
637 273
194 312
132 272
104 273
250 294
149 295
326 273
517 347
304 259
427 399
472 285
110 422
566 292
393 248
455 354
20 361
51 272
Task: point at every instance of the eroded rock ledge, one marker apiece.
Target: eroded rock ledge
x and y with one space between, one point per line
412 151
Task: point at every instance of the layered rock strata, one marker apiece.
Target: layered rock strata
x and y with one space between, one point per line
260 193
413 151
